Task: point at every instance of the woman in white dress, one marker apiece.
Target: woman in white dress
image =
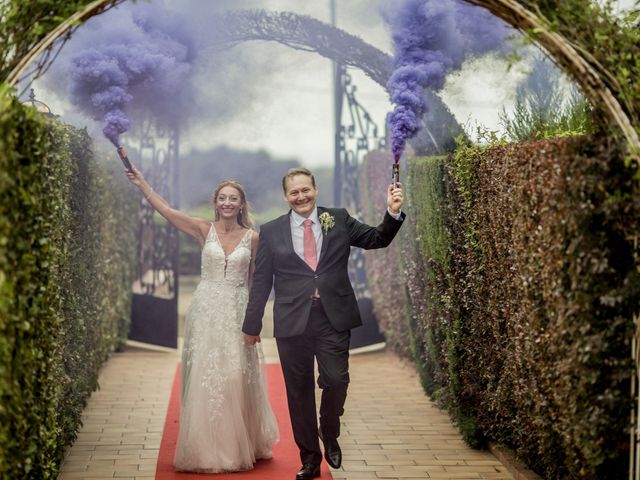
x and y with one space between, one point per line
226 422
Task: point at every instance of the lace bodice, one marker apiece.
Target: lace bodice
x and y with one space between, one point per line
230 269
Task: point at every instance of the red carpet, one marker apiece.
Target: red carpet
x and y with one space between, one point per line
284 464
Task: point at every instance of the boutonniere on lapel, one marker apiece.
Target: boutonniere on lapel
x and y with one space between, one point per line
326 222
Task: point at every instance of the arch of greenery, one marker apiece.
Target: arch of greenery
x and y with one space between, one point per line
586 41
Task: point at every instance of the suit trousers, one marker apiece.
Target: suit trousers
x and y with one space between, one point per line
331 350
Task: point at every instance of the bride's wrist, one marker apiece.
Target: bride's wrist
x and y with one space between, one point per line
148 193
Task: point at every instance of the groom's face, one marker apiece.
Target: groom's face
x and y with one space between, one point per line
301 195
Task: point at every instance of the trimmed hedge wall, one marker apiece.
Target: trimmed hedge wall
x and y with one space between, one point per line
525 303
67 254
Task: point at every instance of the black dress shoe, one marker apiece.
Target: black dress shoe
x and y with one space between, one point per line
332 452
308 471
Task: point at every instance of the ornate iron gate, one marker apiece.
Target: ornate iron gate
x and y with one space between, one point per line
356 134
155 290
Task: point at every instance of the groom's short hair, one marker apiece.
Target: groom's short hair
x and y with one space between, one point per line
297 171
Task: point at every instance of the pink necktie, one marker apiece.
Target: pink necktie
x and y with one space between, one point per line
310 255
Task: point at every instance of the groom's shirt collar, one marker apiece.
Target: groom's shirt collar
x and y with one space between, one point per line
298 219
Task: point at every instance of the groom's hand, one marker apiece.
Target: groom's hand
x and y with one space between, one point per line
251 339
394 198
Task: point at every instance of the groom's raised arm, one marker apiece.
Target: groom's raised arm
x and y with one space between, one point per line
260 289
368 237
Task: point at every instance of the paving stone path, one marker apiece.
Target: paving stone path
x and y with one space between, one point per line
391 430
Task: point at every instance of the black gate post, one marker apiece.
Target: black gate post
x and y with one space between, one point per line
355 135
154 317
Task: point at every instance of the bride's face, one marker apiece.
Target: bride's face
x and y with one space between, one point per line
228 202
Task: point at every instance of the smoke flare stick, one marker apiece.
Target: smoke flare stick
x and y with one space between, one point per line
125 160
395 176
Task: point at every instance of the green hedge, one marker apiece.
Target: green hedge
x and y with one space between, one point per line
522 290
67 249
547 286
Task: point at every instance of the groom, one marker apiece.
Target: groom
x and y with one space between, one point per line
304 254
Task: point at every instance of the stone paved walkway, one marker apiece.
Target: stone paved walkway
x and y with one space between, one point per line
390 429
123 421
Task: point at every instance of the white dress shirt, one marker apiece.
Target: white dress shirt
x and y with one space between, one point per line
395 216
297 232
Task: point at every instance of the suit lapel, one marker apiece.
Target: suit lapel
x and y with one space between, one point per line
325 240
288 241
286 230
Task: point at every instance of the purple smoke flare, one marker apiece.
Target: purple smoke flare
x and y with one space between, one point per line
431 38
115 123
138 62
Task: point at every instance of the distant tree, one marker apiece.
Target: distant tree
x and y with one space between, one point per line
259 173
546 106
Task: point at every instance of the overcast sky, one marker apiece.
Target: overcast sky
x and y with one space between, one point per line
268 96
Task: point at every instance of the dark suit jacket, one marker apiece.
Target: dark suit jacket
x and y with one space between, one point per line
278 265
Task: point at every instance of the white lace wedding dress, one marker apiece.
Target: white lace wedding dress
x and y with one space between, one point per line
226 422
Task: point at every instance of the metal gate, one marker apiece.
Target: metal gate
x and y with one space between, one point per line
154 317
356 134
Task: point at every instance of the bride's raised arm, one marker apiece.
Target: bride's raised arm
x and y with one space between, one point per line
195 227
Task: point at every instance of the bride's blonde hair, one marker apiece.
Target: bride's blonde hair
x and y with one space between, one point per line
245 219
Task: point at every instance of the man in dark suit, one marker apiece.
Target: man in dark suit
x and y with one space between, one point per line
304 256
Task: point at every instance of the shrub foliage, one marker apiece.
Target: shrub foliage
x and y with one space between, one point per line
522 293
67 251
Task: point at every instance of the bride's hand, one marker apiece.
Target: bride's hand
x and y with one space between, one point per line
135 177
251 339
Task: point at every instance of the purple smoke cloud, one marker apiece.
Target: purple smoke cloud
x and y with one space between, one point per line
141 61
432 38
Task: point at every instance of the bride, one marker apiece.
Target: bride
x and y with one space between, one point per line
226 422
